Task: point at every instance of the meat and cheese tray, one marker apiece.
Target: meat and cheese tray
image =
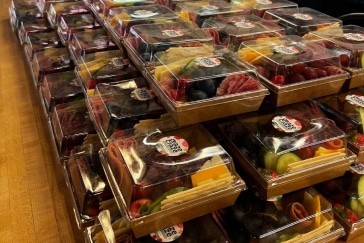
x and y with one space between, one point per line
348 41
258 7
301 20
52 60
232 31
347 110
38 25
301 216
161 179
205 82
346 193
147 39
289 149
105 67
121 19
118 106
196 12
59 88
294 69
58 9
23 11
69 24
40 41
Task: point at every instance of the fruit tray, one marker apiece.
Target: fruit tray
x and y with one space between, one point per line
23 11
348 42
118 106
40 41
60 88
232 31
292 148
162 179
70 24
58 9
258 7
346 193
294 69
38 25
301 20
146 40
105 67
203 83
346 109
196 12
258 220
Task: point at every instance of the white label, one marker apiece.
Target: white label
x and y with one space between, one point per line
286 124
264 2
142 94
355 99
244 24
172 146
210 7
101 41
117 62
289 50
143 14
168 234
173 33
207 61
357 169
302 16
354 36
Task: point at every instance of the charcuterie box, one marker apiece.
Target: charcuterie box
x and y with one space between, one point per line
23 11
204 83
294 147
161 179
294 69
38 25
58 9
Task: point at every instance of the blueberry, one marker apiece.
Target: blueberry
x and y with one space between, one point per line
207 86
197 95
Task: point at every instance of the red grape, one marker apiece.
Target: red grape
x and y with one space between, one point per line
298 68
295 78
278 79
321 72
344 59
310 73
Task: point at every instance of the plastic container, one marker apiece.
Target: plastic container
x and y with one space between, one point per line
38 25
257 220
120 105
23 11
70 24
40 41
60 88
52 60
43 5
58 9
197 12
232 31
146 40
105 67
301 20
121 19
348 41
190 175
197 84
294 69
258 7
289 149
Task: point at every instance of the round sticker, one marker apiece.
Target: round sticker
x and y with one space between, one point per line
356 100
207 61
173 33
117 62
244 24
168 234
354 36
302 16
101 40
172 146
288 50
264 2
143 14
286 124
142 94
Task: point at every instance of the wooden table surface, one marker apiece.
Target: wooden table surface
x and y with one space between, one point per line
35 204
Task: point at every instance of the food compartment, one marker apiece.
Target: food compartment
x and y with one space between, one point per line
70 124
196 12
52 60
205 82
105 67
258 7
60 88
118 106
232 31
23 11
162 179
300 216
146 40
59 9
289 149
294 69
38 25
301 20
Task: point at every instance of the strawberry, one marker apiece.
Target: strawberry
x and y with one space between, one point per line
346 213
360 138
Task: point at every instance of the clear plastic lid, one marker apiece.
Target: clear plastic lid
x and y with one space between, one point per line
189 74
38 25
197 12
102 7
39 41
58 9
148 39
232 31
169 169
290 59
348 41
292 139
69 24
121 19
26 10
300 216
260 6
301 20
